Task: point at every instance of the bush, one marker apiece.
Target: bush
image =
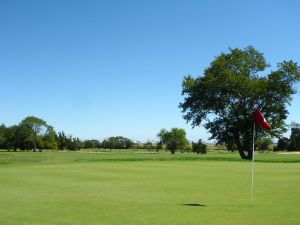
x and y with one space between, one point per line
199 147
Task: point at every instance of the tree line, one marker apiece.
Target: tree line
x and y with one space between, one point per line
35 134
290 144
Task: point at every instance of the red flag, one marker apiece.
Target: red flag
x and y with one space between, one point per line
260 120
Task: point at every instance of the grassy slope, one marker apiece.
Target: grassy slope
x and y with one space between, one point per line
118 188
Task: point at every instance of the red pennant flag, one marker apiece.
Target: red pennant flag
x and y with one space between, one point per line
260 120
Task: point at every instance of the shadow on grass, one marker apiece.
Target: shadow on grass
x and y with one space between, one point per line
193 205
215 205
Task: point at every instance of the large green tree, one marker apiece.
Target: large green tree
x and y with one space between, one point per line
224 97
34 133
173 139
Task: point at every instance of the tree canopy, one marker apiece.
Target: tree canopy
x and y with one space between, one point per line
199 147
118 142
34 133
173 139
224 97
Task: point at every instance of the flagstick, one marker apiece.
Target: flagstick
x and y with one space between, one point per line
252 177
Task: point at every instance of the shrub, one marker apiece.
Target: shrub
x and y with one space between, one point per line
199 147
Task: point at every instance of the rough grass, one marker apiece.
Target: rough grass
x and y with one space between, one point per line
73 188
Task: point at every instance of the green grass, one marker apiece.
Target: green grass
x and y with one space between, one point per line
78 188
56 157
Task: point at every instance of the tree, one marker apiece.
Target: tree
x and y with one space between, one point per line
69 142
75 143
32 132
173 139
225 96
62 141
294 140
49 139
117 142
91 144
8 137
2 136
199 147
282 144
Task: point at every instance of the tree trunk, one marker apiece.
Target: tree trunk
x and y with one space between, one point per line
243 155
250 154
241 148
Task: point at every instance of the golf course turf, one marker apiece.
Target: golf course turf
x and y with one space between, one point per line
78 188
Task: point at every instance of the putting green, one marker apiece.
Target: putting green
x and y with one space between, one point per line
175 192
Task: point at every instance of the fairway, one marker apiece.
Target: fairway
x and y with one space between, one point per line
154 191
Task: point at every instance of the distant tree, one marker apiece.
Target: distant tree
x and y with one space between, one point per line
91 144
264 144
105 144
294 140
149 145
11 138
117 142
62 141
2 136
30 133
50 139
282 144
22 136
173 139
231 87
68 142
74 143
199 147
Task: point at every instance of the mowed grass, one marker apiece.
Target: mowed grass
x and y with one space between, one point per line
74 188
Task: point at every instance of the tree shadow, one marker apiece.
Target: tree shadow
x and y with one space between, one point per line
193 205
215 205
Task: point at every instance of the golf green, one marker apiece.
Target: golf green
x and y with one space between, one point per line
150 192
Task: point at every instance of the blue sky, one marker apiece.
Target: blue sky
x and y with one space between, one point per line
103 68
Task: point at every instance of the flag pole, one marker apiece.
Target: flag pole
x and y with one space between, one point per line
252 175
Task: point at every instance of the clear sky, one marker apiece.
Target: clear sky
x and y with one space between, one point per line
103 68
